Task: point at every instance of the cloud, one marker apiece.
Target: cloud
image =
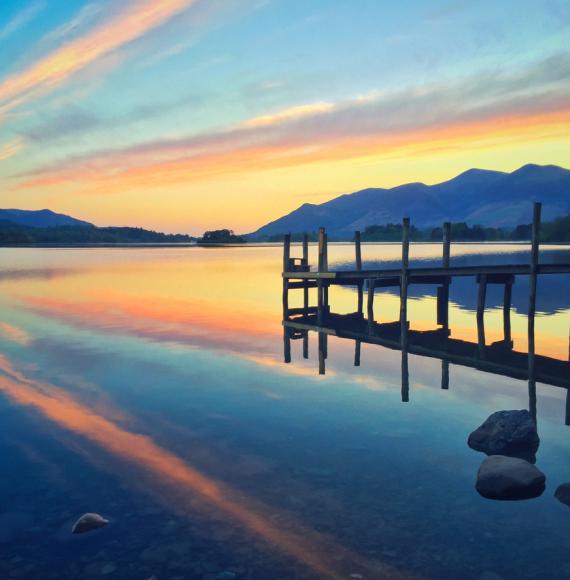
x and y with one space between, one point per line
50 71
21 19
504 105
10 148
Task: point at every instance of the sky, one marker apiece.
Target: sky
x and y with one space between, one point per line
188 115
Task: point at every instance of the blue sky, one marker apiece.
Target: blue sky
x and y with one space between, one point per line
109 104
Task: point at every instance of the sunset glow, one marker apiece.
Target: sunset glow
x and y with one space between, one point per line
184 115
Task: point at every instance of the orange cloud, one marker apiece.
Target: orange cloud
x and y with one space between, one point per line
311 548
133 21
119 171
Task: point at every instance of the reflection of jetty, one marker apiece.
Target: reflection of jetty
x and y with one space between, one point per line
499 358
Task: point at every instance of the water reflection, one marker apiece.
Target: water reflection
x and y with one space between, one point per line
149 386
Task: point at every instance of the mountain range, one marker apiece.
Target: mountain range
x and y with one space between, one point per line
477 196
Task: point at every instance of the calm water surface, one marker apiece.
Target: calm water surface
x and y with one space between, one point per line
148 385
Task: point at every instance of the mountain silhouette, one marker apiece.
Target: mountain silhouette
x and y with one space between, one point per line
477 196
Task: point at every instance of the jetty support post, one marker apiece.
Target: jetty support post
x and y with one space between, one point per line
370 305
286 345
286 266
481 298
322 267
322 352
445 375
306 264
404 282
358 257
443 290
507 299
357 349
534 254
404 308
306 345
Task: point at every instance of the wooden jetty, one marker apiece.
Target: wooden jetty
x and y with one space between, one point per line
497 358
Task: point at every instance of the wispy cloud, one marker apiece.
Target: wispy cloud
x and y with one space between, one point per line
22 18
50 71
533 102
10 148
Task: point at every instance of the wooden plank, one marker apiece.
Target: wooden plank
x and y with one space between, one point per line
515 269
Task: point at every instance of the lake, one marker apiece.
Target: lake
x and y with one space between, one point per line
148 385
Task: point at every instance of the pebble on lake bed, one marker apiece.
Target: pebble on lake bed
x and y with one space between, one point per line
562 493
87 523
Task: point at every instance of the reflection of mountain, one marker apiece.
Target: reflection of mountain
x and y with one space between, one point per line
553 291
490 198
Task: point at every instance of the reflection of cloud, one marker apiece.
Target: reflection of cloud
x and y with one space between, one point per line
531 103
167 469
204 323
14 333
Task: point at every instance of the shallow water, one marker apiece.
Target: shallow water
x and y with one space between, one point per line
148 385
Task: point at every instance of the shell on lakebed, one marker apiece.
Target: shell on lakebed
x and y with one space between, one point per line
88 522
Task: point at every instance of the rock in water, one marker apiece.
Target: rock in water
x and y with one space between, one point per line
501 477
507 433
88 522
562 493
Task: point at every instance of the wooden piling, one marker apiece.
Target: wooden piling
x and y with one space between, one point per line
358 258
286 263
326 269
534 254
481 296
404 282
306 263
507 299
322 352
370 305
306 345
443 290
320 266
444 375
357 349
286 345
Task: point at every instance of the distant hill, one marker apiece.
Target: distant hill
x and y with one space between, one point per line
477 196
43 218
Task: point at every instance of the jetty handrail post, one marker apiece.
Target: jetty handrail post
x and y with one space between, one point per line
404 308
320 267
286 263
326 269
404 282
445 262
534 255
306 263
358 259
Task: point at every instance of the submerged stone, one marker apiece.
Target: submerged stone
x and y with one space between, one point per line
510 433
562 493
509 478
88 522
